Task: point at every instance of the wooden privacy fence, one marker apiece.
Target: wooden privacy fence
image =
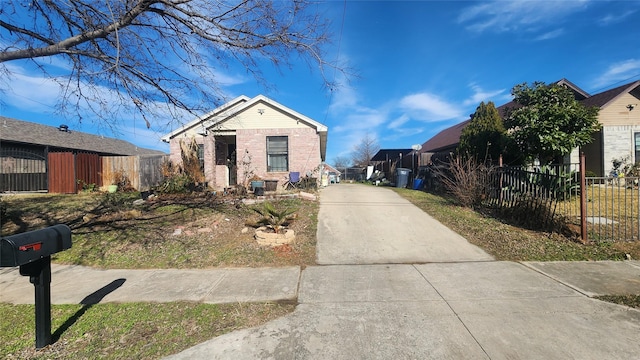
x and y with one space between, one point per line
143 172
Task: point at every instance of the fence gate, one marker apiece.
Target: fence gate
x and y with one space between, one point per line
62 179
22 169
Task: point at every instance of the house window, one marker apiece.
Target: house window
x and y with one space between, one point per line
637 147
201 155
277 153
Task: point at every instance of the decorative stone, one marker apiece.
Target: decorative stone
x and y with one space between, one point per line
265 238
307 196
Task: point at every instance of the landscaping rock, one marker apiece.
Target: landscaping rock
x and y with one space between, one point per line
272 239
307 196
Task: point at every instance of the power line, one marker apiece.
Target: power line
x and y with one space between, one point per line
335 70
610 86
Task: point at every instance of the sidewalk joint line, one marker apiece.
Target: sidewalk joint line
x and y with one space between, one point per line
453 310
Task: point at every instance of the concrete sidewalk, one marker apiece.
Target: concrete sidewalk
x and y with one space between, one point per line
73 284
469 310
82 285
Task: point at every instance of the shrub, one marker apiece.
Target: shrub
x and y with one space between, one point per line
175 184
466 180
273 218
121 179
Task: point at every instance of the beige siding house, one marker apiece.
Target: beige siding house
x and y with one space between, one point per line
619 137
253 136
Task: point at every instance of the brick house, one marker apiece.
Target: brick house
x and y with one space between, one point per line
619 137
252 137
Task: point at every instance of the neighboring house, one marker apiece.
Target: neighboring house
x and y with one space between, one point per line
36 157
619 138
249 137
332 173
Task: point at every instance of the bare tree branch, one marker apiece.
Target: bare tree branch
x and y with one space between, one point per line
152 52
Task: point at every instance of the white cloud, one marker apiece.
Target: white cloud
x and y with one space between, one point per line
550 35
618 72
362 119
513 15
480 95
21 92
344 97
615 18
395 124
428 107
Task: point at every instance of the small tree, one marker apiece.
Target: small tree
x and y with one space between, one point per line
483 137
340 162
550 122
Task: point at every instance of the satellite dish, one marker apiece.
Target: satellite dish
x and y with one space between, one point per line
416 147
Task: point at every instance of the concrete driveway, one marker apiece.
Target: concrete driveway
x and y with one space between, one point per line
452 304
373 225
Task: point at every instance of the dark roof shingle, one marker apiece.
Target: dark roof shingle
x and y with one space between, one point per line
389 154
18 131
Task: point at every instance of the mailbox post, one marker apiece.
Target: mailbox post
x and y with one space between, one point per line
32 251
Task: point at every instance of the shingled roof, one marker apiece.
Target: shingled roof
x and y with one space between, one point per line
605 97
29 133
387 154
449 138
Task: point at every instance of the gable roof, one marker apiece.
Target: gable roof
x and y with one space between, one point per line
218 114
604 98
445 139
578 93
390 154
29 133
449 138
241 103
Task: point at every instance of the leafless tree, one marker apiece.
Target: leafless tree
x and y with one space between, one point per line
142 54
365 150
341 162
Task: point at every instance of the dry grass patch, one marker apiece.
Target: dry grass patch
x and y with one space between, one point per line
184 231
512 243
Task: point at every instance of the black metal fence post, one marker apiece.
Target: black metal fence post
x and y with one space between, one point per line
583 199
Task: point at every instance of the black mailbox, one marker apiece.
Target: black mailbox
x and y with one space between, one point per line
32 252
25 248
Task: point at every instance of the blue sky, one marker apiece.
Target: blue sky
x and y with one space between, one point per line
422 66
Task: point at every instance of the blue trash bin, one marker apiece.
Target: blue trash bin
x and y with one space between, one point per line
417 184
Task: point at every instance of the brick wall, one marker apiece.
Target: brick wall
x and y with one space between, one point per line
304 152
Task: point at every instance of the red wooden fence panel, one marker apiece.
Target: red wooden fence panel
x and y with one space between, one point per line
88 169
61 173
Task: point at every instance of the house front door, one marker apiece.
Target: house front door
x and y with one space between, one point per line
231 164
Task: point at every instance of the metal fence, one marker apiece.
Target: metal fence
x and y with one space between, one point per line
601 208
537 191
22 169
611 208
